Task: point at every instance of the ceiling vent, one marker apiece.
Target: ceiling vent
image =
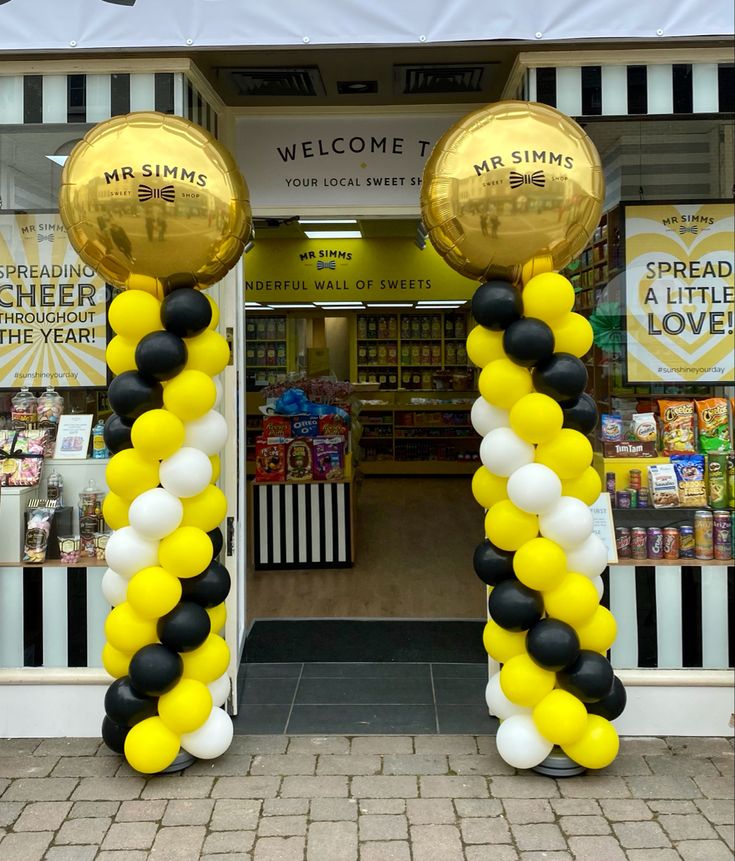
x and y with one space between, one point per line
443 78
275 82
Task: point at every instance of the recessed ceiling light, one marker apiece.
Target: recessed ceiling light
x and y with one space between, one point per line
390 304
261 308
456 302
304 306
327 221
343 304
333 234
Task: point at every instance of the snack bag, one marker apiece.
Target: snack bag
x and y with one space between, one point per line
644 427
611 428
663 487
714 431
689 470
677 431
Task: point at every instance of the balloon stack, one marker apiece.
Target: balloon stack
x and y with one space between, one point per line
180 229
540 559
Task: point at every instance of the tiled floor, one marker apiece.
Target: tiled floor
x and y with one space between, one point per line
365 698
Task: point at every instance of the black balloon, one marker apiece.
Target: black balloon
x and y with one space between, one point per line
514 606
612 705
496 304
186 312
117 433
218 541
126 704
493 565
161 355
552 644
562 377
209 588
131 394
114 734
581 414
185 628
155 669
589 678
528 341
179 281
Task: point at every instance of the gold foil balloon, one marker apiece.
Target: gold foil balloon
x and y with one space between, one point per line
148 197
508 183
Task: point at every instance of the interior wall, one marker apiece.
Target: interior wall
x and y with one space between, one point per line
337 342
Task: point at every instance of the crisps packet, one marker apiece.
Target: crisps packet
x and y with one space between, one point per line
689 470
677 427
713 425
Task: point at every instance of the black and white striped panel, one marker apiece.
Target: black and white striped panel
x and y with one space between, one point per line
52 617
673 617
302 525
660 89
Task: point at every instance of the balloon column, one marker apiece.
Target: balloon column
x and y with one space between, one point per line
159 208
510 193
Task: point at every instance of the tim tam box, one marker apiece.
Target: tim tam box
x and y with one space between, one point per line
270 458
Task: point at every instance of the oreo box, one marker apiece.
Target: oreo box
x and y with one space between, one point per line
304 425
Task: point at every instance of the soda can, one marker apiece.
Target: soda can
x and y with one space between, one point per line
671 543
730 469
686 542
703 537
610 483
717 491
634 479
655 542
638 543
633 491
643 501
722 535
622 499
622 542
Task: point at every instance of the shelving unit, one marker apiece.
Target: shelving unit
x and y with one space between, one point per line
266 353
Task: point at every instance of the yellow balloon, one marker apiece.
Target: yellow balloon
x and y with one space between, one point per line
488 488
568 454
536 418
573 601
205 510
151 746
133 315
216 466
531 186
598 632
508 527
548 297
502 383
586 486
186 706
189 395
153 592
540 564
157 434
218 617
535 266
560 717
501 644
208 352
129 474
573 334
115 662
524 682
597 747
178 210
215 313
126 631
484 346
120 355
208 662
115 511
186 552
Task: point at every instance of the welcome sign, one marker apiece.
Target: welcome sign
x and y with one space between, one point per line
680 293
52 308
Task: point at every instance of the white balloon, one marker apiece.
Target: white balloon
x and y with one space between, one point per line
186 473
503 452
156 513
599 584
128 551
220 690
589 557
534 488
520 744
114 587
208 434
497 702
569 523
486 417
212 738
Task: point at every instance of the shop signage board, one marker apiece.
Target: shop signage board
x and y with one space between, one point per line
680 293
603 526
368 270
52 307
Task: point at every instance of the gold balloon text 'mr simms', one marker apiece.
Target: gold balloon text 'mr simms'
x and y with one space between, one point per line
163 171
526 156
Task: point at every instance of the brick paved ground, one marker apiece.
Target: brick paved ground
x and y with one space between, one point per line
376 798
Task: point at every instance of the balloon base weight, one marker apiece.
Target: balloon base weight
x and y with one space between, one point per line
558 764
183 760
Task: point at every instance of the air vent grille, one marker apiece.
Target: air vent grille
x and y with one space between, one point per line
274 82
444 78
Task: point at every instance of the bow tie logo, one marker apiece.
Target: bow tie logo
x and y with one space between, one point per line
536 178
324 264
45 237
167 193
693 229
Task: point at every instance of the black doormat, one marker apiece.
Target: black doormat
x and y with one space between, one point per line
348 640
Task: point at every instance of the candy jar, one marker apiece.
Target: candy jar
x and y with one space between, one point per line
24 410
90 502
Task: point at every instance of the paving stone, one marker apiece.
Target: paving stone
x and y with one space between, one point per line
332 841
436 843
546 856
667 806
493 829
690 765
282 826
10 746
28 846
383 827
445 744
625 809
138 811
719 812
490 760
13 767
576 825
188 811
67 747
384 787
727 833
478 807
626 764
4 784
421 763
522 811
85 766
524 786
381 805
382 744
282 764
245 787
285 806
697 850
107 788
700 745
41 789
538 836
319 744
483 764
91 831
178 787
643 744
333 809
129 835
315 787
229 856
640 835
594 785
716 787
576 806
10 811
122 855
430 811
453 787
349 765
596 849
235 814
279 849
178 843
724 764
90 809
689 826
653 855
42 816
222 842
70 853
663 786
496 852
258 744
226 765
395 850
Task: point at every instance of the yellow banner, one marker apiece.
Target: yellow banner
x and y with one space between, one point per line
680 293
371 270
52 308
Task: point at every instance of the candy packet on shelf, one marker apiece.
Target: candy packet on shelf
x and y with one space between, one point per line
611 427
38 528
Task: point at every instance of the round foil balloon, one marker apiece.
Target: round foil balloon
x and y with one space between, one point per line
508 183
149 198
